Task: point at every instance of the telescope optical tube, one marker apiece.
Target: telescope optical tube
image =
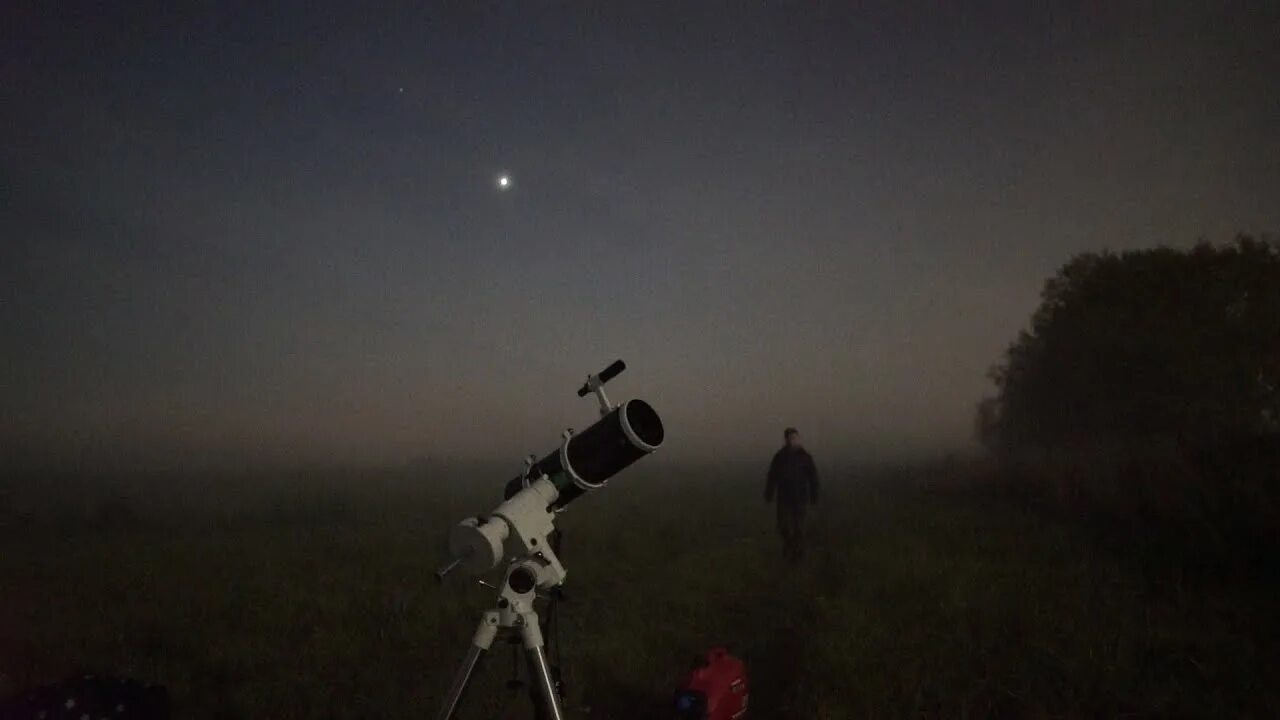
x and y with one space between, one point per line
586 460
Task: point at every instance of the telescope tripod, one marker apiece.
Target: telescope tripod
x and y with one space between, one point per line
516 620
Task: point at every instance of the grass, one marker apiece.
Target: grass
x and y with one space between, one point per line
913 603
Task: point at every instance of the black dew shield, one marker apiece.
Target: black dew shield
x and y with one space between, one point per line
591 457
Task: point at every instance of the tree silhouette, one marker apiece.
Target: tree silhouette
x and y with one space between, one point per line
1159 343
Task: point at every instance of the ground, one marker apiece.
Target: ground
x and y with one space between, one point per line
914 603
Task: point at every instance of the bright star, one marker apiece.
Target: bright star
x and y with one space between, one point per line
504 181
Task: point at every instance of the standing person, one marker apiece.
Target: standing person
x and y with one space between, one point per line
793 478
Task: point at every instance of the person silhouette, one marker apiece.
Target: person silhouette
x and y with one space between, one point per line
793 480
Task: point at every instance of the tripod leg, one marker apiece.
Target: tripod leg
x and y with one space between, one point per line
481 642
541 669
460 683
548 639
546 685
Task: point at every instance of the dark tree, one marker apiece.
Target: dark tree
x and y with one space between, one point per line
1162 343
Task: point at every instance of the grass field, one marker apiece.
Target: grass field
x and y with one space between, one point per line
914 602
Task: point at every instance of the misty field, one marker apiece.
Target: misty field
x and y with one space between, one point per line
268 601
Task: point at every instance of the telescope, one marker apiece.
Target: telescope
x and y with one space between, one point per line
520 531
585 461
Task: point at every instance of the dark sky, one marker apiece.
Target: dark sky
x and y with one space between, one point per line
259 231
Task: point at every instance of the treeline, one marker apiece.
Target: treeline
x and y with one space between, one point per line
1148 385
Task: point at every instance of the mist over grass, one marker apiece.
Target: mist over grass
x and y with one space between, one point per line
312 595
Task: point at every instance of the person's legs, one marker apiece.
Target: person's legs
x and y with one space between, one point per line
797 539
797 532
785 530
790 520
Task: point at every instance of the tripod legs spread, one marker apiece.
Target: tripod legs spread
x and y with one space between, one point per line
531 636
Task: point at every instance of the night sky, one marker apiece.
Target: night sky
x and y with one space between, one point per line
263 232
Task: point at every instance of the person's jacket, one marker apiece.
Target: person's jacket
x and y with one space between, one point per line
793 478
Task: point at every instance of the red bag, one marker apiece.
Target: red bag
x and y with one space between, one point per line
715 689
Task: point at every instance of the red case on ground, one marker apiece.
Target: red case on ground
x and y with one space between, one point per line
715 689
